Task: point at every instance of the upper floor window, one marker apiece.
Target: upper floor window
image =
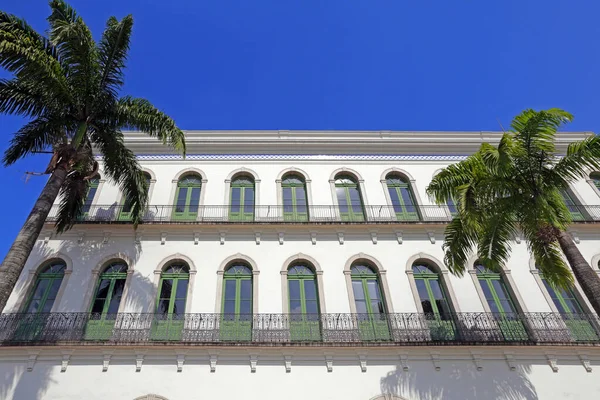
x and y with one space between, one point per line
349 198
46 287
242 199
433 297
127 203
237 315
304 302
107 300
187 199
564 300
595 177
169 318
572 205
496 293
402 197
293 190
91 193
452 207
173 286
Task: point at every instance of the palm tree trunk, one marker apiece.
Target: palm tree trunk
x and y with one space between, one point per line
588 278
15 260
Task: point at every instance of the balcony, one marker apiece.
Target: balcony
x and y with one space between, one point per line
279 215
299 329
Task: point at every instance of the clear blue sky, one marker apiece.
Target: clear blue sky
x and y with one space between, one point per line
339 64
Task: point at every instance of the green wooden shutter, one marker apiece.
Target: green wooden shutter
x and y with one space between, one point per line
295 205
187 198
402 197
237 315
349 199
169 318
370 305
241 199
305 321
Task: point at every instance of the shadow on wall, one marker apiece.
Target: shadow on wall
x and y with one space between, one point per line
460 382
21 384
85 256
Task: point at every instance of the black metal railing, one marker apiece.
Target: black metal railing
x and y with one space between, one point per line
280 214
304 329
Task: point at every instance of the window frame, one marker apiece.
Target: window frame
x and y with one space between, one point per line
242 215
176 277
401 210
294 214
350 214
51 277
186 214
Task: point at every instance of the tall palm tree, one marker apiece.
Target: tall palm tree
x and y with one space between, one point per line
67 86
516 186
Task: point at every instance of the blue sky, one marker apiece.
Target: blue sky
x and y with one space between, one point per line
339 64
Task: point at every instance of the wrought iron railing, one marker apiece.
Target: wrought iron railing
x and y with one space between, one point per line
302 329
282 214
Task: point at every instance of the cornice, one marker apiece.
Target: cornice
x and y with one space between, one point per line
332 142
297 157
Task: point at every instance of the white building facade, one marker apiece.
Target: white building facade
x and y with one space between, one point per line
294 264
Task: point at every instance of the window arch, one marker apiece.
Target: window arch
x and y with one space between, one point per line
236 305
187 197
171 301
500 302
303 302
402 197
293 193
369 302
349 197
242 198
107 300
93 186
47 285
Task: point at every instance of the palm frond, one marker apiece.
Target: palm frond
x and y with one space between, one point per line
445 185
537 129
113 48
493 244
460 240
581 157
76 48
548 257
121 165
31 57
136 113
37 135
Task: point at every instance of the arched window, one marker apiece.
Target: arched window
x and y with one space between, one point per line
187 199
595 177
433 298
566 302
46 288
236 323
500 303
304 303
574 208
349 198
107 300
402 197
434 301
91 193
242 199
127 204
293 190
370 304
171 302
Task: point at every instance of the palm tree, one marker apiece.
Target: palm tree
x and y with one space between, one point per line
517 186
67 86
